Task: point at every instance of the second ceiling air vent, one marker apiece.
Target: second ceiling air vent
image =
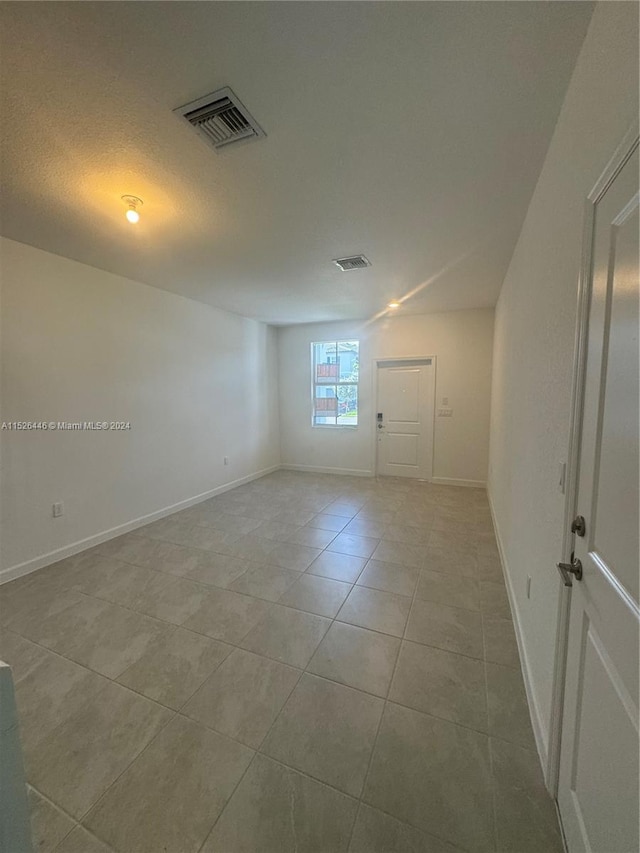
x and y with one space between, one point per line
222 119
354 262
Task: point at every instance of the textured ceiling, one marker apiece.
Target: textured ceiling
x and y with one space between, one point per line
411 132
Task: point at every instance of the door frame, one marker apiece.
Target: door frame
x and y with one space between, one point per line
431 400
625 150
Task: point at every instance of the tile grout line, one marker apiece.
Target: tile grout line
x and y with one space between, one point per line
333 620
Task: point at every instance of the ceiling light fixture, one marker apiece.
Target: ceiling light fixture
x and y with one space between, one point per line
393 305
132 202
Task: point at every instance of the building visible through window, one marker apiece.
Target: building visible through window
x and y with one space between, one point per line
335 368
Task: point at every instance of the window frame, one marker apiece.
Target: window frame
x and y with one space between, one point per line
335 384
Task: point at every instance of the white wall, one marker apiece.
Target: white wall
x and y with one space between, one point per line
462 344
534 334
80 344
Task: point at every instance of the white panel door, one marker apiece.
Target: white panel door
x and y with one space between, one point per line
598 791
405 418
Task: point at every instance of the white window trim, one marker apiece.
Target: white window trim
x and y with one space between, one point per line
335 341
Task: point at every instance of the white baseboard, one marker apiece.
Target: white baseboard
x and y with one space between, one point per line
449 481
17 571
540 730
314 469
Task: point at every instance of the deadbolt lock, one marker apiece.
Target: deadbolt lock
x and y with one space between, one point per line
578 525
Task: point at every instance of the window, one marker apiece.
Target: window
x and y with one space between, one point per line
335 367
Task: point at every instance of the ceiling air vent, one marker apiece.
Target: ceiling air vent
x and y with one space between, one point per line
355 262
222 119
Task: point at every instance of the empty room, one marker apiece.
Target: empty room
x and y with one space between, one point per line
319 467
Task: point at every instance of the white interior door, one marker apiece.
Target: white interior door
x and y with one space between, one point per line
598 785
405 418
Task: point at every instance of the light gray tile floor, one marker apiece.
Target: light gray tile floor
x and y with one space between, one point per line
305 663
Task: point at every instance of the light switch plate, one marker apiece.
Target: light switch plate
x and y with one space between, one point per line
445 413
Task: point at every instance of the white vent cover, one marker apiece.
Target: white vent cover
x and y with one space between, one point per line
222 119
354 262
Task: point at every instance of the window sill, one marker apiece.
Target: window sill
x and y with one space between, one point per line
334 426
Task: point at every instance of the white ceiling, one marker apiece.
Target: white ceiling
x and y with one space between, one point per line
413 132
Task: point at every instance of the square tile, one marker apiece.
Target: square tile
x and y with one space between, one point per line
345 508
490 569
312 537
174 602
339 567
433 775
486 545
243 696
180 806
172 669
448 589
48 691
296 517
81 841
408 534
389 577
356 657
120 583
87 752
48 824
238 524
217 569
494 600
277 810
453 541
250 547
357 546
21 654
226 615
526 817
288 555
450 562
323 521
500 645
441 683
366 527
27 610
509 716
328 731
316 594
287 635
400 552
130 548
451 628
278 531
103 636
379 611
376 832
268 582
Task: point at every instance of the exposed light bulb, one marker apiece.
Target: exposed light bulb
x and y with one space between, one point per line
133 203
393 305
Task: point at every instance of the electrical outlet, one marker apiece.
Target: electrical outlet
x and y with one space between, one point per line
445 401
225 461
528 586
58 509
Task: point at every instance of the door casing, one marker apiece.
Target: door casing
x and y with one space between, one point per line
625 150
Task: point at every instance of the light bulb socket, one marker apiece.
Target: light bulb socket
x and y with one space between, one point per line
133 203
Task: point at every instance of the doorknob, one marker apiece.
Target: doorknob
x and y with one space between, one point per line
567 569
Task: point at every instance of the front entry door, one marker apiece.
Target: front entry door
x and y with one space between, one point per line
405 418
598 786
